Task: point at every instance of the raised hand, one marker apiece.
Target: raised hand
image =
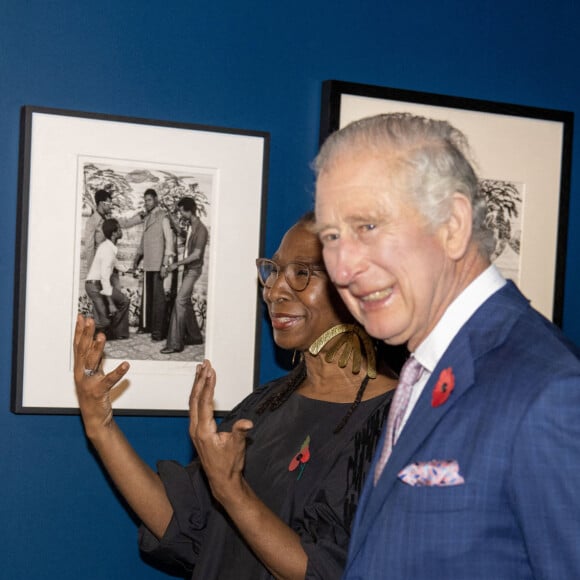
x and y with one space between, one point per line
93 387
222 454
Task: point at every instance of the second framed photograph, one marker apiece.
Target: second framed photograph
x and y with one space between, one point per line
523 158
152 228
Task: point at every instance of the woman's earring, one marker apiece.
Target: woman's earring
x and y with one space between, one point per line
296 357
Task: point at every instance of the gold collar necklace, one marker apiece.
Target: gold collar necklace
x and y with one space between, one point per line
354 337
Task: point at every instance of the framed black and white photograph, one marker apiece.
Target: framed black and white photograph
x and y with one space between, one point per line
97 189
523 158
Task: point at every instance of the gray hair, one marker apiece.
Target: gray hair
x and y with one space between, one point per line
431 162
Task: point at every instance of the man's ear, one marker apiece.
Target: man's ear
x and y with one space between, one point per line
456 233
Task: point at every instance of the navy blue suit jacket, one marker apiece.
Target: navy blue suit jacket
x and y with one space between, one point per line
512 423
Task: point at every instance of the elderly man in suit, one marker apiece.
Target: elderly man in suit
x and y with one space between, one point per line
157 250
478 470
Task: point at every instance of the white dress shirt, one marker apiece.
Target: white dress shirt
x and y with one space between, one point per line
103 264
430 351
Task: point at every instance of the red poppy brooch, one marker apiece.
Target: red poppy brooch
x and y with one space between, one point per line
443 387
301 458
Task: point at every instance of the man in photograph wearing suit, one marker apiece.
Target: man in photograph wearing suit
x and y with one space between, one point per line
157 250
477 473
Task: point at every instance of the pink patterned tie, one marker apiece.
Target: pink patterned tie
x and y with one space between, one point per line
410 374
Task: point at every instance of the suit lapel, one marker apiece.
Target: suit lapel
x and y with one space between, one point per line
420 424
150 218
472 341
425 417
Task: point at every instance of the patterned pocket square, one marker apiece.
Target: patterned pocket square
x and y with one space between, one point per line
436 472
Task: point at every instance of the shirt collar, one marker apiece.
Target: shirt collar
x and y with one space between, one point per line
430 351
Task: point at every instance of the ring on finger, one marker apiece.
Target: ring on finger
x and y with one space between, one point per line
90 372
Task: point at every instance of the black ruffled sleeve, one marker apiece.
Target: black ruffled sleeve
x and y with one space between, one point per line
324 539
191 500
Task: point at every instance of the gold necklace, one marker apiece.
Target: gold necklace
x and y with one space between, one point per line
350 343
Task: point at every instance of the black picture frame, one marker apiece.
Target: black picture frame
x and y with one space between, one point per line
61 153
528 149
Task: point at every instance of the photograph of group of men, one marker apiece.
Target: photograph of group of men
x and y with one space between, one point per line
167 263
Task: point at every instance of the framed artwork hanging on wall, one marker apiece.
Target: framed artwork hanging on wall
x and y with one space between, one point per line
66 157
523 159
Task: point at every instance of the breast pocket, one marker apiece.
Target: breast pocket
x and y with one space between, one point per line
435 499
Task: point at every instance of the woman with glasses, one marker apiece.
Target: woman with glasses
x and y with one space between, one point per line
275 486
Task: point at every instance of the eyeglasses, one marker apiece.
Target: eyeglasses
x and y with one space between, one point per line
297 274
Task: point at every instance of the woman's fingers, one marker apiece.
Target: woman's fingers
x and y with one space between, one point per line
95 353
94 396
201 401
99 383
114 376
193 398
222 454
82 343
240 431
88 350
79 328
205 404
88 353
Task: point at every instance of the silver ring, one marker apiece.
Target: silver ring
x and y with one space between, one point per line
90 372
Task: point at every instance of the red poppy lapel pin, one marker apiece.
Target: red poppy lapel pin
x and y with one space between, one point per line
443 387
301 458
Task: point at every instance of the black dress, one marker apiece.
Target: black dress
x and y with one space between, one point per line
309 476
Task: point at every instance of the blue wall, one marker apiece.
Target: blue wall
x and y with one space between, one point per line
257 65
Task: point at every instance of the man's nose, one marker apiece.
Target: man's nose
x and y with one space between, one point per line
344 263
